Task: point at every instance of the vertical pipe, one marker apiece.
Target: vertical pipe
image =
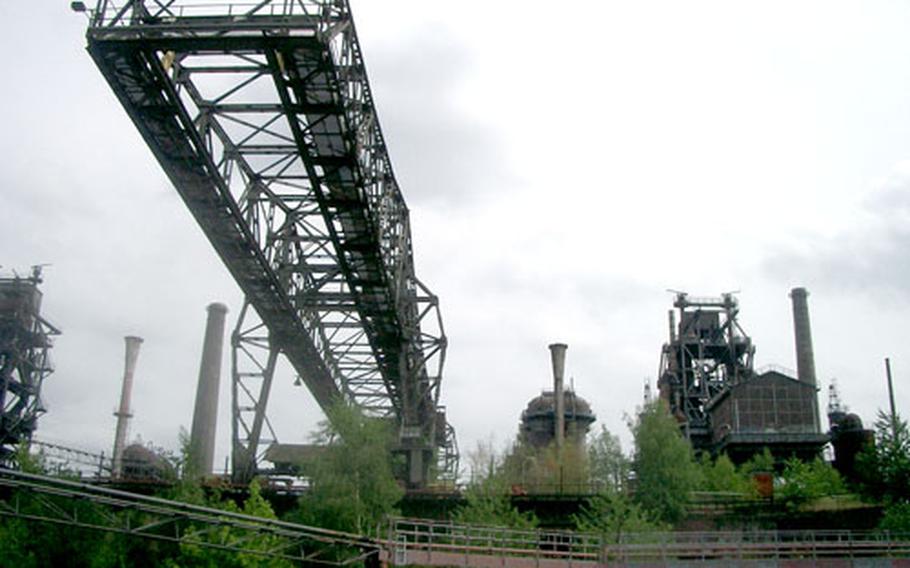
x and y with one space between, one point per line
558 357
672 316
205 414
123 413
802 331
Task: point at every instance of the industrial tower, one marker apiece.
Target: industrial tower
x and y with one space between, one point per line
706 353
722 403
25 341
262 116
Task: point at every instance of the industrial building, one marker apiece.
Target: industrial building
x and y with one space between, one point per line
722 403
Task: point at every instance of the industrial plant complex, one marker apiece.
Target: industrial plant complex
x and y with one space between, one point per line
262 118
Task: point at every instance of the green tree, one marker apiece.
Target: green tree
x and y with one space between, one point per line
759 463
353 486
721 476
802 482
613 514
193 555
884 467
488 502
608 465
665 469
896 518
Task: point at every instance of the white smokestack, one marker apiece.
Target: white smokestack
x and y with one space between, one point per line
123 413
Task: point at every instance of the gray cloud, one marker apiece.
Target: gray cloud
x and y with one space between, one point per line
440 153
871 257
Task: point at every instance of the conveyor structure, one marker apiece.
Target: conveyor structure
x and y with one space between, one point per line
262 117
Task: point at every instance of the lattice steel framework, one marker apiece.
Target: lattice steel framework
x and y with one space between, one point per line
25 341
707 352
262 117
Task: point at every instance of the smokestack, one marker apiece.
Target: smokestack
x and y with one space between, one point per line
123 413
558 356
672 316
802 331
205 415
805 360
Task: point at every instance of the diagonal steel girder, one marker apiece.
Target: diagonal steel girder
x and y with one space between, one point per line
263 119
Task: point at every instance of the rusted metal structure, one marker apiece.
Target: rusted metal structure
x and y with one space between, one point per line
262 116
559 416
722 403
707 353
25 342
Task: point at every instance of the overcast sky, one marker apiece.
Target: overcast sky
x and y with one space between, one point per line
565 165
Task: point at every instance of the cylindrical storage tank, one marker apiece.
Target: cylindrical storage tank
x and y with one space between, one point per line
205 414
558 357
123 412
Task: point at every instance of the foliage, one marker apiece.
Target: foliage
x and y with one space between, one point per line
255 505
488 503
353 487
609 467
802 482
545 470
721 476
896 518
27 544
665 469
884 467
758 463
612 514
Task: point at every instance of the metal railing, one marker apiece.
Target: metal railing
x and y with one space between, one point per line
423 542
120 13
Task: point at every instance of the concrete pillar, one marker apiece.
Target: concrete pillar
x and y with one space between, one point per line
205 414
558 357
123 412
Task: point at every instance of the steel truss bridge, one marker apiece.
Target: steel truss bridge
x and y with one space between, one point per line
263 119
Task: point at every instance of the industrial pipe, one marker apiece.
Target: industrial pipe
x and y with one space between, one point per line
123 413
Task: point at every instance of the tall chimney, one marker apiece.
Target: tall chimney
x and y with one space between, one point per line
558 356
802 331
805 360
126 393
205 414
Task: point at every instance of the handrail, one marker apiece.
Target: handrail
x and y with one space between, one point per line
426 538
